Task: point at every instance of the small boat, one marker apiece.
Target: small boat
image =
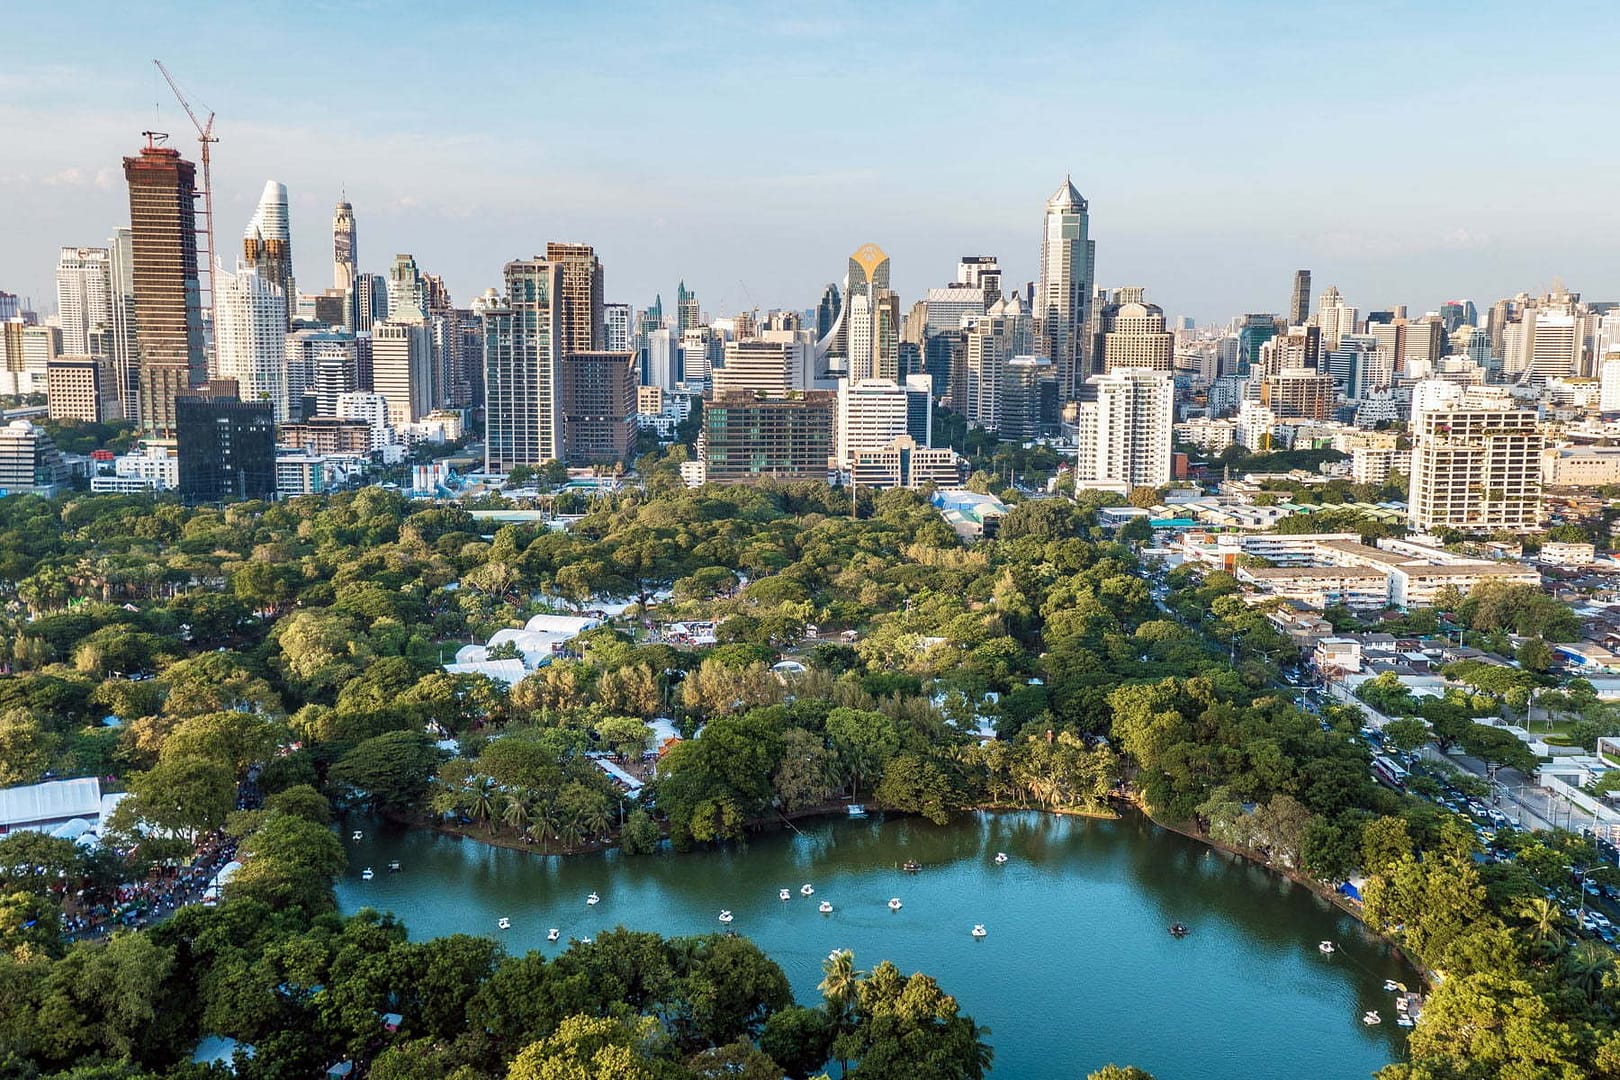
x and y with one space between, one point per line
784 894
553 934
393 867
357 835
366 874
825 907
1325 948
1001 857
1405 1021
593 900
894 903
585 941
725 916
911 866
1390 985
1179 930
807 889
1371 1017
504 923
979 930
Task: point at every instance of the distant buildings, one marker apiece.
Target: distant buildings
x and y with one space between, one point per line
1476 463
522 368
29 460
84 301
83 389
746 438
599 406
267 245
250 336
346 260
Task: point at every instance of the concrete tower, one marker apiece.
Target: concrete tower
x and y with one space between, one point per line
345 257
267 243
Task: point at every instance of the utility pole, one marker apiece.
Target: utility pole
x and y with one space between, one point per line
205 136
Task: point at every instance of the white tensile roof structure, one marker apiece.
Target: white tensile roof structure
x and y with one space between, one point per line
47 805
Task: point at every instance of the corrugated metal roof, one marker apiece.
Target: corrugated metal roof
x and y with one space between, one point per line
52 801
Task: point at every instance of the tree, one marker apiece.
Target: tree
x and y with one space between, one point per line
907 1027
840 980
914 784
391 771
804 777
1534 654
1407 733
1119 1072
289 862
233 739
798 1039
26 748
625 734
186 796
640 834
591 1048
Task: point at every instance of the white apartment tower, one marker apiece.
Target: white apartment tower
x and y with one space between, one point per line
402 365
84 301
1476 461
871 414
1334 318
250 337
1125 420
523 334
1064 292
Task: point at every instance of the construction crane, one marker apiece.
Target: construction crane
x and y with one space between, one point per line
205 136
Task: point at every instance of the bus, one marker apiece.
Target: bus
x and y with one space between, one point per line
1388 772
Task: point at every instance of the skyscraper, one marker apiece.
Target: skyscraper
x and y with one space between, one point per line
688 314
1125 419
582 304
598 397
250 337
1335 318
345 257
124 354
1063 293
267 245
616 328
1134 333
84 301
522 368
226 447
1299 307
402 365
871 317
405 289
168 299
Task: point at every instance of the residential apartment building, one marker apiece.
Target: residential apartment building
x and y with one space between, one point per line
1475 469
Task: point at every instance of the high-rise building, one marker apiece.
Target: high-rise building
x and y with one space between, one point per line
1476 462
168 299
871 414
124 350
830 307
321 364
982 272
345 259
84 301
582 314
920 408
226 447
1125 418
250 337
616 335
370 301
990 342
871 317
1064 292
1298 394
402 368
82 389
522 368
688 312
29 459
1334 317
1134 334
267 245
599 406
1299 305
756 367
746 438
405 288
26 351
1029 405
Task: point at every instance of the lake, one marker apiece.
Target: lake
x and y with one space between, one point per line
1077 968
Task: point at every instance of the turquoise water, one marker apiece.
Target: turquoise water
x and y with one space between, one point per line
1077 968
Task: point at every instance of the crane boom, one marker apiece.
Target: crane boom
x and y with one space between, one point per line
205 262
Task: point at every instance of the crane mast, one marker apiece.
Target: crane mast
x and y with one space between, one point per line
205 262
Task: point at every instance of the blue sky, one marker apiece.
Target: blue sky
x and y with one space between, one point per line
1409 153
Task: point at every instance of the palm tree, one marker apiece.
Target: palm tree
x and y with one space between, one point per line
515 813
1546 929
547 820
840 979
572 830
597 819
1585 966
482 803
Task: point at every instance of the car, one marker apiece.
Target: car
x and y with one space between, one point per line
1601 920
1591 888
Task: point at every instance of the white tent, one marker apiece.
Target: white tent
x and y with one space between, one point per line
47 805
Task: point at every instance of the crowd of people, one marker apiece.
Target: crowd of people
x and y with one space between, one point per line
139 904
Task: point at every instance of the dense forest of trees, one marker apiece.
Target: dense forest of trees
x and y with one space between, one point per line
300 643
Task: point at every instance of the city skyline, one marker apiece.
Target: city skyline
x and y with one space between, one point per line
453 182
